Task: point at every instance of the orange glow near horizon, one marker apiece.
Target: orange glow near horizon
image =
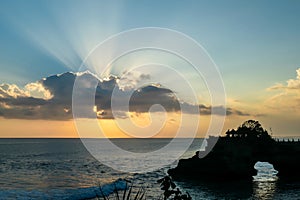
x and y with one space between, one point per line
18 128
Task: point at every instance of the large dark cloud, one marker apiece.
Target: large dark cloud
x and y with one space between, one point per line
17 103
143 99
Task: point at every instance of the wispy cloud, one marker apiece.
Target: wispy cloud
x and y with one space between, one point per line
287 96
292 84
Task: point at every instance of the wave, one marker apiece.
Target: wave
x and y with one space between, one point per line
64 194
265 172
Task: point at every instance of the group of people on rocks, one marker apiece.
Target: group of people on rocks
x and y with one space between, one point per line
168 186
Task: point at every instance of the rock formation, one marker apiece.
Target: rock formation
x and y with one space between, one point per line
234 156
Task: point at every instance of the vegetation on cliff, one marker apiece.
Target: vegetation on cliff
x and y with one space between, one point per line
249 129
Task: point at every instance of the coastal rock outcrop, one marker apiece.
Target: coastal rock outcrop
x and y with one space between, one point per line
234 156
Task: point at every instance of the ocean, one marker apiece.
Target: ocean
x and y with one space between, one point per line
64 169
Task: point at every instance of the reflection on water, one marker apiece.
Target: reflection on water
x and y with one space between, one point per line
264 190
264 183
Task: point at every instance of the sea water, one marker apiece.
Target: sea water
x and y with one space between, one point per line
64 169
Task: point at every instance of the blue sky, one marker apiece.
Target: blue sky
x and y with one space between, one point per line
255 44
261 35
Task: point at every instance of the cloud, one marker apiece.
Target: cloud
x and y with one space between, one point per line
37 90
51 98
12 91
292 84
286 97
129 79
221 110
144 98
48 98
231 111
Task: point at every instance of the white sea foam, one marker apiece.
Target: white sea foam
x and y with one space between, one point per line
64 194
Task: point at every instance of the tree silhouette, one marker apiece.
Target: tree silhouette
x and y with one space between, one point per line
249 129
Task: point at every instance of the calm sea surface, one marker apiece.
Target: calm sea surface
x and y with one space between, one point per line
64 169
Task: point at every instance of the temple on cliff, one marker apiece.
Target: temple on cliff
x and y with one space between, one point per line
233 156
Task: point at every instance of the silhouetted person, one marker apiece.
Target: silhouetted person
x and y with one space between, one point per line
177 194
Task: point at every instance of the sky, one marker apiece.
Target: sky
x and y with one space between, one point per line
254 44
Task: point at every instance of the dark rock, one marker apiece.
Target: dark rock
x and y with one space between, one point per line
234 157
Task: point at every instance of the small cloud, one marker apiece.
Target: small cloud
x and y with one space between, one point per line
130 79
238 112
287 96
221 110
38 90
277 86
292 84
12 90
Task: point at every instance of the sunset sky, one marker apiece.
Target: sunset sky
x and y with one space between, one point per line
255 44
